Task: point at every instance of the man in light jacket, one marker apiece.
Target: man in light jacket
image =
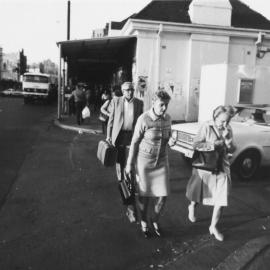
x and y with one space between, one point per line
125 111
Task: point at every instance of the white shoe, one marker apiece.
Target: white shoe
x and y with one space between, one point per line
213 231
191 214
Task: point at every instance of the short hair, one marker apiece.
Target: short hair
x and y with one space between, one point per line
162 95
127 85
229 110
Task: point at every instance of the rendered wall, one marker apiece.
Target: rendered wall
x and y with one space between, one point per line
223 89
204 50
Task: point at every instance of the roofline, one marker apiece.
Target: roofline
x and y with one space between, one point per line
94 39
188 27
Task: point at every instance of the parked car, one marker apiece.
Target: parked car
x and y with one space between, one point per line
11 92
251 130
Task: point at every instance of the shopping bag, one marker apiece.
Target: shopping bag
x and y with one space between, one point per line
85 112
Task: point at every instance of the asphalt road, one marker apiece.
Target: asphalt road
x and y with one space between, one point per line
61 209
19 127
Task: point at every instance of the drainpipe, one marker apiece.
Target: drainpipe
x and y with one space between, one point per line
158 56
68 21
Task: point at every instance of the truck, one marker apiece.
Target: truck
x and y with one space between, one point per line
36 86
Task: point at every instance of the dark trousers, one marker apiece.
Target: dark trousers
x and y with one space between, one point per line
79 107
122 142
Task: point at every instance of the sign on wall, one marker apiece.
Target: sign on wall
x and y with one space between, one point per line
246 89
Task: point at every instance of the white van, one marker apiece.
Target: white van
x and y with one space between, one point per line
36 86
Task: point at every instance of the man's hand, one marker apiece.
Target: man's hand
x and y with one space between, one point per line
109 140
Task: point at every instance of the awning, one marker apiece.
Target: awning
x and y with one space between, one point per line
95 50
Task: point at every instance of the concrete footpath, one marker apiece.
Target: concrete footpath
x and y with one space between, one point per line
247 246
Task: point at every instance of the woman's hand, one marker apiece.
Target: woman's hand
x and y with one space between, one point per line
128 170
171 142
219 143
225 133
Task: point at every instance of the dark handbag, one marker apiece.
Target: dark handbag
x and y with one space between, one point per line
106 153
103 118
207 160
127 187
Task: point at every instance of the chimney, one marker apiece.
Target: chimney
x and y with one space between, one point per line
211 12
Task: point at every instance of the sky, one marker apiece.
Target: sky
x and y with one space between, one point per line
36 25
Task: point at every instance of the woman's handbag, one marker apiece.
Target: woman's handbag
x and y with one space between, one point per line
127 187
208 160
103 117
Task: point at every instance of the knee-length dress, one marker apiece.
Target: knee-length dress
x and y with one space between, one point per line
206 187
149 154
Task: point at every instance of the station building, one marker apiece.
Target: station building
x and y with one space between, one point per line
182 46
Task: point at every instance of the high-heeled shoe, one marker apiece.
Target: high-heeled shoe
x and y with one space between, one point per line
157 229
191 214
145 230
213 231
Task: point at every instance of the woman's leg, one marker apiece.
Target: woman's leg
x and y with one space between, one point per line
215 219
191 211
158 207
159 204
144 205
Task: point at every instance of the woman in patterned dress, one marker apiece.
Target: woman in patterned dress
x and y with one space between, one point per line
148 156
213 188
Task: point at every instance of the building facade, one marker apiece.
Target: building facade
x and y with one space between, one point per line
176 39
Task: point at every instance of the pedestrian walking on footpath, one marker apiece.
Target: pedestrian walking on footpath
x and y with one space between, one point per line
125 111
105 110
212 188
148 157
79 99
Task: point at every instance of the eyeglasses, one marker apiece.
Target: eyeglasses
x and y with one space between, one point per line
129 89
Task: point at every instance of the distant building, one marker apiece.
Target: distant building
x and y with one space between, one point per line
98 33
9 66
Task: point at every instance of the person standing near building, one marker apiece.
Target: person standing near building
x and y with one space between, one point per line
125 111
79 98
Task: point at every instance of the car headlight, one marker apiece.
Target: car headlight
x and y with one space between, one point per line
174 134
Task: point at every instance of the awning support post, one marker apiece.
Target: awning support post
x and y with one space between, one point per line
59 85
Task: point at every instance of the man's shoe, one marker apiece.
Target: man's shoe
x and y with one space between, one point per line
131 215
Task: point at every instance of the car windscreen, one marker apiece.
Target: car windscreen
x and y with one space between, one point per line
35 78
252 116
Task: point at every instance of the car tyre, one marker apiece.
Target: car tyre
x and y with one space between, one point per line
247 164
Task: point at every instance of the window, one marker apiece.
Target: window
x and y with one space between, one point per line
35 78
246 89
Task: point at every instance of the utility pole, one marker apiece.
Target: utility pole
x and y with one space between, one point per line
68 20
